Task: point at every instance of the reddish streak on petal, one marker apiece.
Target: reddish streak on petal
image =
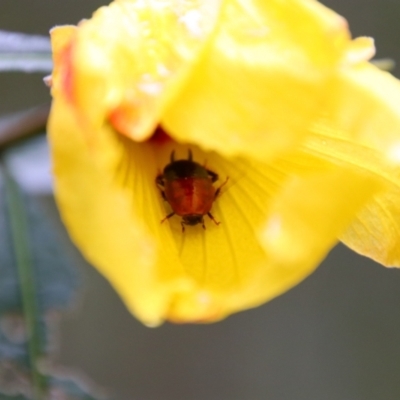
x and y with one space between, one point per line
68 89
124 118
67 79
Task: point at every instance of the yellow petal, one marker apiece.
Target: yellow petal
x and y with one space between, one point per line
309 214
361 128
255 92
363 107
113 210
360 49
376 230
61 38
129 60
262 78
103 221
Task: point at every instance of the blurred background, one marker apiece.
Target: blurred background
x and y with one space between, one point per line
335 336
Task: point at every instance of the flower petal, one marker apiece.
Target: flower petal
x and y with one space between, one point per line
309 214
360 49
236 268
103 221
132 56
113 210
363 107
61 37
376 230
278 219
361 128
262 78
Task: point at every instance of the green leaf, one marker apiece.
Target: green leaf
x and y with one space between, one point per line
54 278
37 278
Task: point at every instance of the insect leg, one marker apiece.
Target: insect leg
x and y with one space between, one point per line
214 220
218 191
190 155
167 217
160 180
212 175
160 185
183 226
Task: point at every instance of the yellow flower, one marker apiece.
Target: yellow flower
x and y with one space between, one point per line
273 95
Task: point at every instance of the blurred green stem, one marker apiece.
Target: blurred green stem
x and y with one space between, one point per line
23 258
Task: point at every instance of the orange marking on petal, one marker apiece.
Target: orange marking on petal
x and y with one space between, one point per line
124 118
68 75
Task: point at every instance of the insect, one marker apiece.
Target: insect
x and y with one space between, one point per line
188 188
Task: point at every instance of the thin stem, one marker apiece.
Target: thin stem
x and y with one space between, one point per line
20 125
23 257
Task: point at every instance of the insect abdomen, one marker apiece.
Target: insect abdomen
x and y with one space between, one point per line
190 196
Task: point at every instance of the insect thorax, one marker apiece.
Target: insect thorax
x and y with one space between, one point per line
184 169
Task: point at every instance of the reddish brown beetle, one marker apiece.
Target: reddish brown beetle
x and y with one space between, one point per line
188 188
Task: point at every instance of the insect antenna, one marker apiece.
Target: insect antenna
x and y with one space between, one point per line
190 155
